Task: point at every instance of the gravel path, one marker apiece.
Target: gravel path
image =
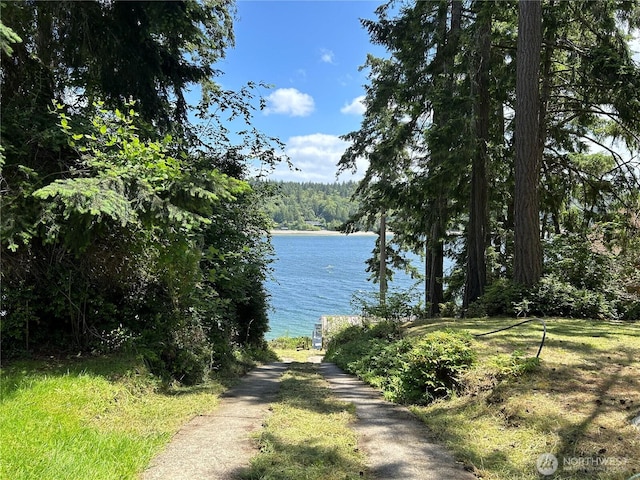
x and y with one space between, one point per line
218 446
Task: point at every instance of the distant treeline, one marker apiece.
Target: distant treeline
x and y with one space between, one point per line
311 206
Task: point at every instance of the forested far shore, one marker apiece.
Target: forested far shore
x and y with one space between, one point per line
310 206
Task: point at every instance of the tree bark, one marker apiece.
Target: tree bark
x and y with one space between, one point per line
528 250
449 38
434 266
383 257
476 278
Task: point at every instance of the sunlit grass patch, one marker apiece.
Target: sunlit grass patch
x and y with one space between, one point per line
297 355
307 436
578 404
72 420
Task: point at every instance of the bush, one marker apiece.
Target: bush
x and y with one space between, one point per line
555 297
397 305
407 371
572 259
385 330
188 356
448 310
500 297
291 343
383 365
476 310
552 296
434 365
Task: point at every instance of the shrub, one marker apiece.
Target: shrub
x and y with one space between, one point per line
291 343
383 365
188 356
476 310
397 304
449 309
630 307
499 298
407 371
553 296
572 259
385 330
434 365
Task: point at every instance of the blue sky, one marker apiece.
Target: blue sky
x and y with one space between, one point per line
310 52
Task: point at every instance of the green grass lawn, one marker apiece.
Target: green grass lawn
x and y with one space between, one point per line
102 418
577 405
307 435
105 418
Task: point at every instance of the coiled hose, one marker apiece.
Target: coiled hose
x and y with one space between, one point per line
544 331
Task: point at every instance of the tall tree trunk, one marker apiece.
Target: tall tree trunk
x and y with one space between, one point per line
476 278
528 250
444 64
383 258
434 265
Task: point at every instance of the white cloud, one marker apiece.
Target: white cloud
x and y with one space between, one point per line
289 101
315 158
356 107
327 56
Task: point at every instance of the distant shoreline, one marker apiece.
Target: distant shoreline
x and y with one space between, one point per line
318 232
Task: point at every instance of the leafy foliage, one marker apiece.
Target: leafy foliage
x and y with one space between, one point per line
579 282
124 226
397 305
414 371
438 124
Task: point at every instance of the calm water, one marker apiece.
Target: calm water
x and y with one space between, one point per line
316 275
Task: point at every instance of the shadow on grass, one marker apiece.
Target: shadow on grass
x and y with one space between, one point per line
280 460
582 400
128 369
303 392
296 444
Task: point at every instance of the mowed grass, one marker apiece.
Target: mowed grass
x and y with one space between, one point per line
295 355
307 435
102 418
577 405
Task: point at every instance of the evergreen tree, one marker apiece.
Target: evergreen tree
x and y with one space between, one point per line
445 153
118 211
528 250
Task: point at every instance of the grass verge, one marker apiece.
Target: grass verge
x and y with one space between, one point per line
99 418
577 404
307 436
295 349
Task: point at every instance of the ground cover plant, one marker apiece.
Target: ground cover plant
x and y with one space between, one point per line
415 370
97 418
307 434
577 402
291 343
295 349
